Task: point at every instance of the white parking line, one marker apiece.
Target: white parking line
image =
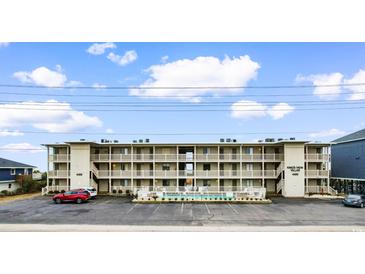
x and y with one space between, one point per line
155 210
182 208
131 209
234 210
206 206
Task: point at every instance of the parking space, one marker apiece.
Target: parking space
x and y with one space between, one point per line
120 211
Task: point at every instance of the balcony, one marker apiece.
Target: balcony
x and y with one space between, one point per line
316 173
143 157
143 174
100 157
229 173
166 157
251 157
206 173
58 158
273 157
186 157
317 157
206 157
58 173
165 173
120 173
121 157
251 173
229 157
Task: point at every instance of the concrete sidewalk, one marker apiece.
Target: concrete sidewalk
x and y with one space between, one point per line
139 228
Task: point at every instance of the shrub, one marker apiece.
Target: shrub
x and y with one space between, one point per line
50 192
120 191
19 191
175 199
114 191
169 199
163 199
127 192
5 192
29 185
56 192
225 199
63 191
182 199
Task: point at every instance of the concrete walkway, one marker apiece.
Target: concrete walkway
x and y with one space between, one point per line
138 228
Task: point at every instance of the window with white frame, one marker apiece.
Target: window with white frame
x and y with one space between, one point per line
12 171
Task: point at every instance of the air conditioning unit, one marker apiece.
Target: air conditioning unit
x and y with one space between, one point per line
292 138
147 140
228 140
221 140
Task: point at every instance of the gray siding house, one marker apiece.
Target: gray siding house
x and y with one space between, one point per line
348 162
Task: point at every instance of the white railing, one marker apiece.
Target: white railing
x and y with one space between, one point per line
251 157
332 191
206 173
318 189
206 157
121 173
165 173
317 157
270 173
103 173
273 157
166 157
100 157
316 173
229 157
94 170
143 157
229 173
47 189
142 173
121 157
59 173
186 173
251 173
186 157
59 158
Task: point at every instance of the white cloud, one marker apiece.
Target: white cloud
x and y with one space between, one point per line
98 86
51 115
358 92
251 109
99 48
202 71
248 109
109 130
4 44
327 93
280 110
164 58
327 133
6 133
42 76
128 57
22 147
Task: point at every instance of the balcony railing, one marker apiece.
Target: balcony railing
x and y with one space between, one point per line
318 190
206 157
121 157
251 157
165 173
317 157
143 157
316 173
166 157
58 158
273 157
229 173
99 157
58 173
229 157
206 173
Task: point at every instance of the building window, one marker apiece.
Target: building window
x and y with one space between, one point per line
249 150
165 166
205 183
248 183
165 183
206 166
205 150
12 171
9 186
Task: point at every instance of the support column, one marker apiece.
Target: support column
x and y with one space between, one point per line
219 168
241 167
110 169
194 158
154 167
47 166
177 168
262 165
132 168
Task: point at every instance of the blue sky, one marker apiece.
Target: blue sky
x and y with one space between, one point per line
174 64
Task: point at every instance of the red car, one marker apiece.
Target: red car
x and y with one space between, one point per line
77 196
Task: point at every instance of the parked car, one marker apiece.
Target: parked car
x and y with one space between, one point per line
354 200
77 196
91 190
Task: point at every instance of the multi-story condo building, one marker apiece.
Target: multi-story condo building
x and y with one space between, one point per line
288 167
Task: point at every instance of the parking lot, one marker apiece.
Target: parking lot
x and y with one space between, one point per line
120 211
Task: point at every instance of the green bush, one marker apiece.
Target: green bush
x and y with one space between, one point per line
19 191
29 185
114 191
5 192
2 194
50 192
56 192
120 191
63 191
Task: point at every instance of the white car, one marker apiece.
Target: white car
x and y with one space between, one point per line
91 190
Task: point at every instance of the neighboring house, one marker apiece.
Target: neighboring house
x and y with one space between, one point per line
10 172
348 163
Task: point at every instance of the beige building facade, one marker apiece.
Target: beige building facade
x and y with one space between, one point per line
287 167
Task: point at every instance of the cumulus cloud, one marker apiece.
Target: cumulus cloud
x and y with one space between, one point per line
164 58
42 76
128 57
326 93
22 147
51 115
100 48
245 109
4 44
327 133
358 92
6 133
280 110
204 71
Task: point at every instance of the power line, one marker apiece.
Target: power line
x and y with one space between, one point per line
177 110
160 96
184 87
